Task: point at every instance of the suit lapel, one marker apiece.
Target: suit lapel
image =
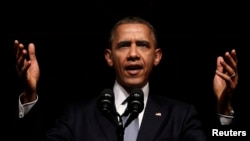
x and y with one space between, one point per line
152 119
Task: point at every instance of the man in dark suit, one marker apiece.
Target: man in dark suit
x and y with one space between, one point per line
133 53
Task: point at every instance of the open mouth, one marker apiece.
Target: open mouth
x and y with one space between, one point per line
133 69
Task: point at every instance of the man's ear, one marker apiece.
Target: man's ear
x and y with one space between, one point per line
158 55
108 57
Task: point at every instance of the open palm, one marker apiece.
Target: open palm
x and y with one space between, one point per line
28 70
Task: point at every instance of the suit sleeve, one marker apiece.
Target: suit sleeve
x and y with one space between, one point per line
34 125
192 127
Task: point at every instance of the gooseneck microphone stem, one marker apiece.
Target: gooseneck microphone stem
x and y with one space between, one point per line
120 129
134 107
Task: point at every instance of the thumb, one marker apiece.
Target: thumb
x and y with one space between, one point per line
32 52
219 67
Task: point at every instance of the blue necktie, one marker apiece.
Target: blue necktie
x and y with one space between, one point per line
131 131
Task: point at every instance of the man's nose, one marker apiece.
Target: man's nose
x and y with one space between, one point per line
133 53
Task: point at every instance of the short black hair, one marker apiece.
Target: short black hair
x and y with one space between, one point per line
132 20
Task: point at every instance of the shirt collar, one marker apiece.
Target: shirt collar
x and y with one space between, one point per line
121 94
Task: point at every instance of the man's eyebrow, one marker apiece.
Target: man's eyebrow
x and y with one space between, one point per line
142 43
124 43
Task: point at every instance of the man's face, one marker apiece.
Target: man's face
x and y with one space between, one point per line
133 54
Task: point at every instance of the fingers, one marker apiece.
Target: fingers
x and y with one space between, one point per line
233 54
21 58
22 63
229 64
25 68
232 59
16 44
32 52
230 80
218 64
227 68
223 75
20 54
18 48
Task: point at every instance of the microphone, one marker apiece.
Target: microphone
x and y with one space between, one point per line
106 101
106 105
136 101
135 104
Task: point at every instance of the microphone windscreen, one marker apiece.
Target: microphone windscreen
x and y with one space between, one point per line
136 101
136 91
106 101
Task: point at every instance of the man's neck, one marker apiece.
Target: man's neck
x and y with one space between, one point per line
129 88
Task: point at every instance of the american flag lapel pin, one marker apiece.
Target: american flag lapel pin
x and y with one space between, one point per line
158 114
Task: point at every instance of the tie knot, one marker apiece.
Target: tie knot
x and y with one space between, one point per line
125 101
125 112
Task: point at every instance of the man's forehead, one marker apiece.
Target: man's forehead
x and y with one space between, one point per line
133 27
133 31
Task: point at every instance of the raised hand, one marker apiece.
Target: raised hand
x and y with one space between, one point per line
28 70
225 81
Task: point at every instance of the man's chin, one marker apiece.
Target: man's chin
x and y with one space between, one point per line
135 83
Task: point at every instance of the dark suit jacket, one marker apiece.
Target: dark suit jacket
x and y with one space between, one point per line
177 122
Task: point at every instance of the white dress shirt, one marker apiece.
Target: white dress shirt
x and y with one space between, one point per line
25 108
121 94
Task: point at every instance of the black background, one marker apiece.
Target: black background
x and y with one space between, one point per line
70 39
